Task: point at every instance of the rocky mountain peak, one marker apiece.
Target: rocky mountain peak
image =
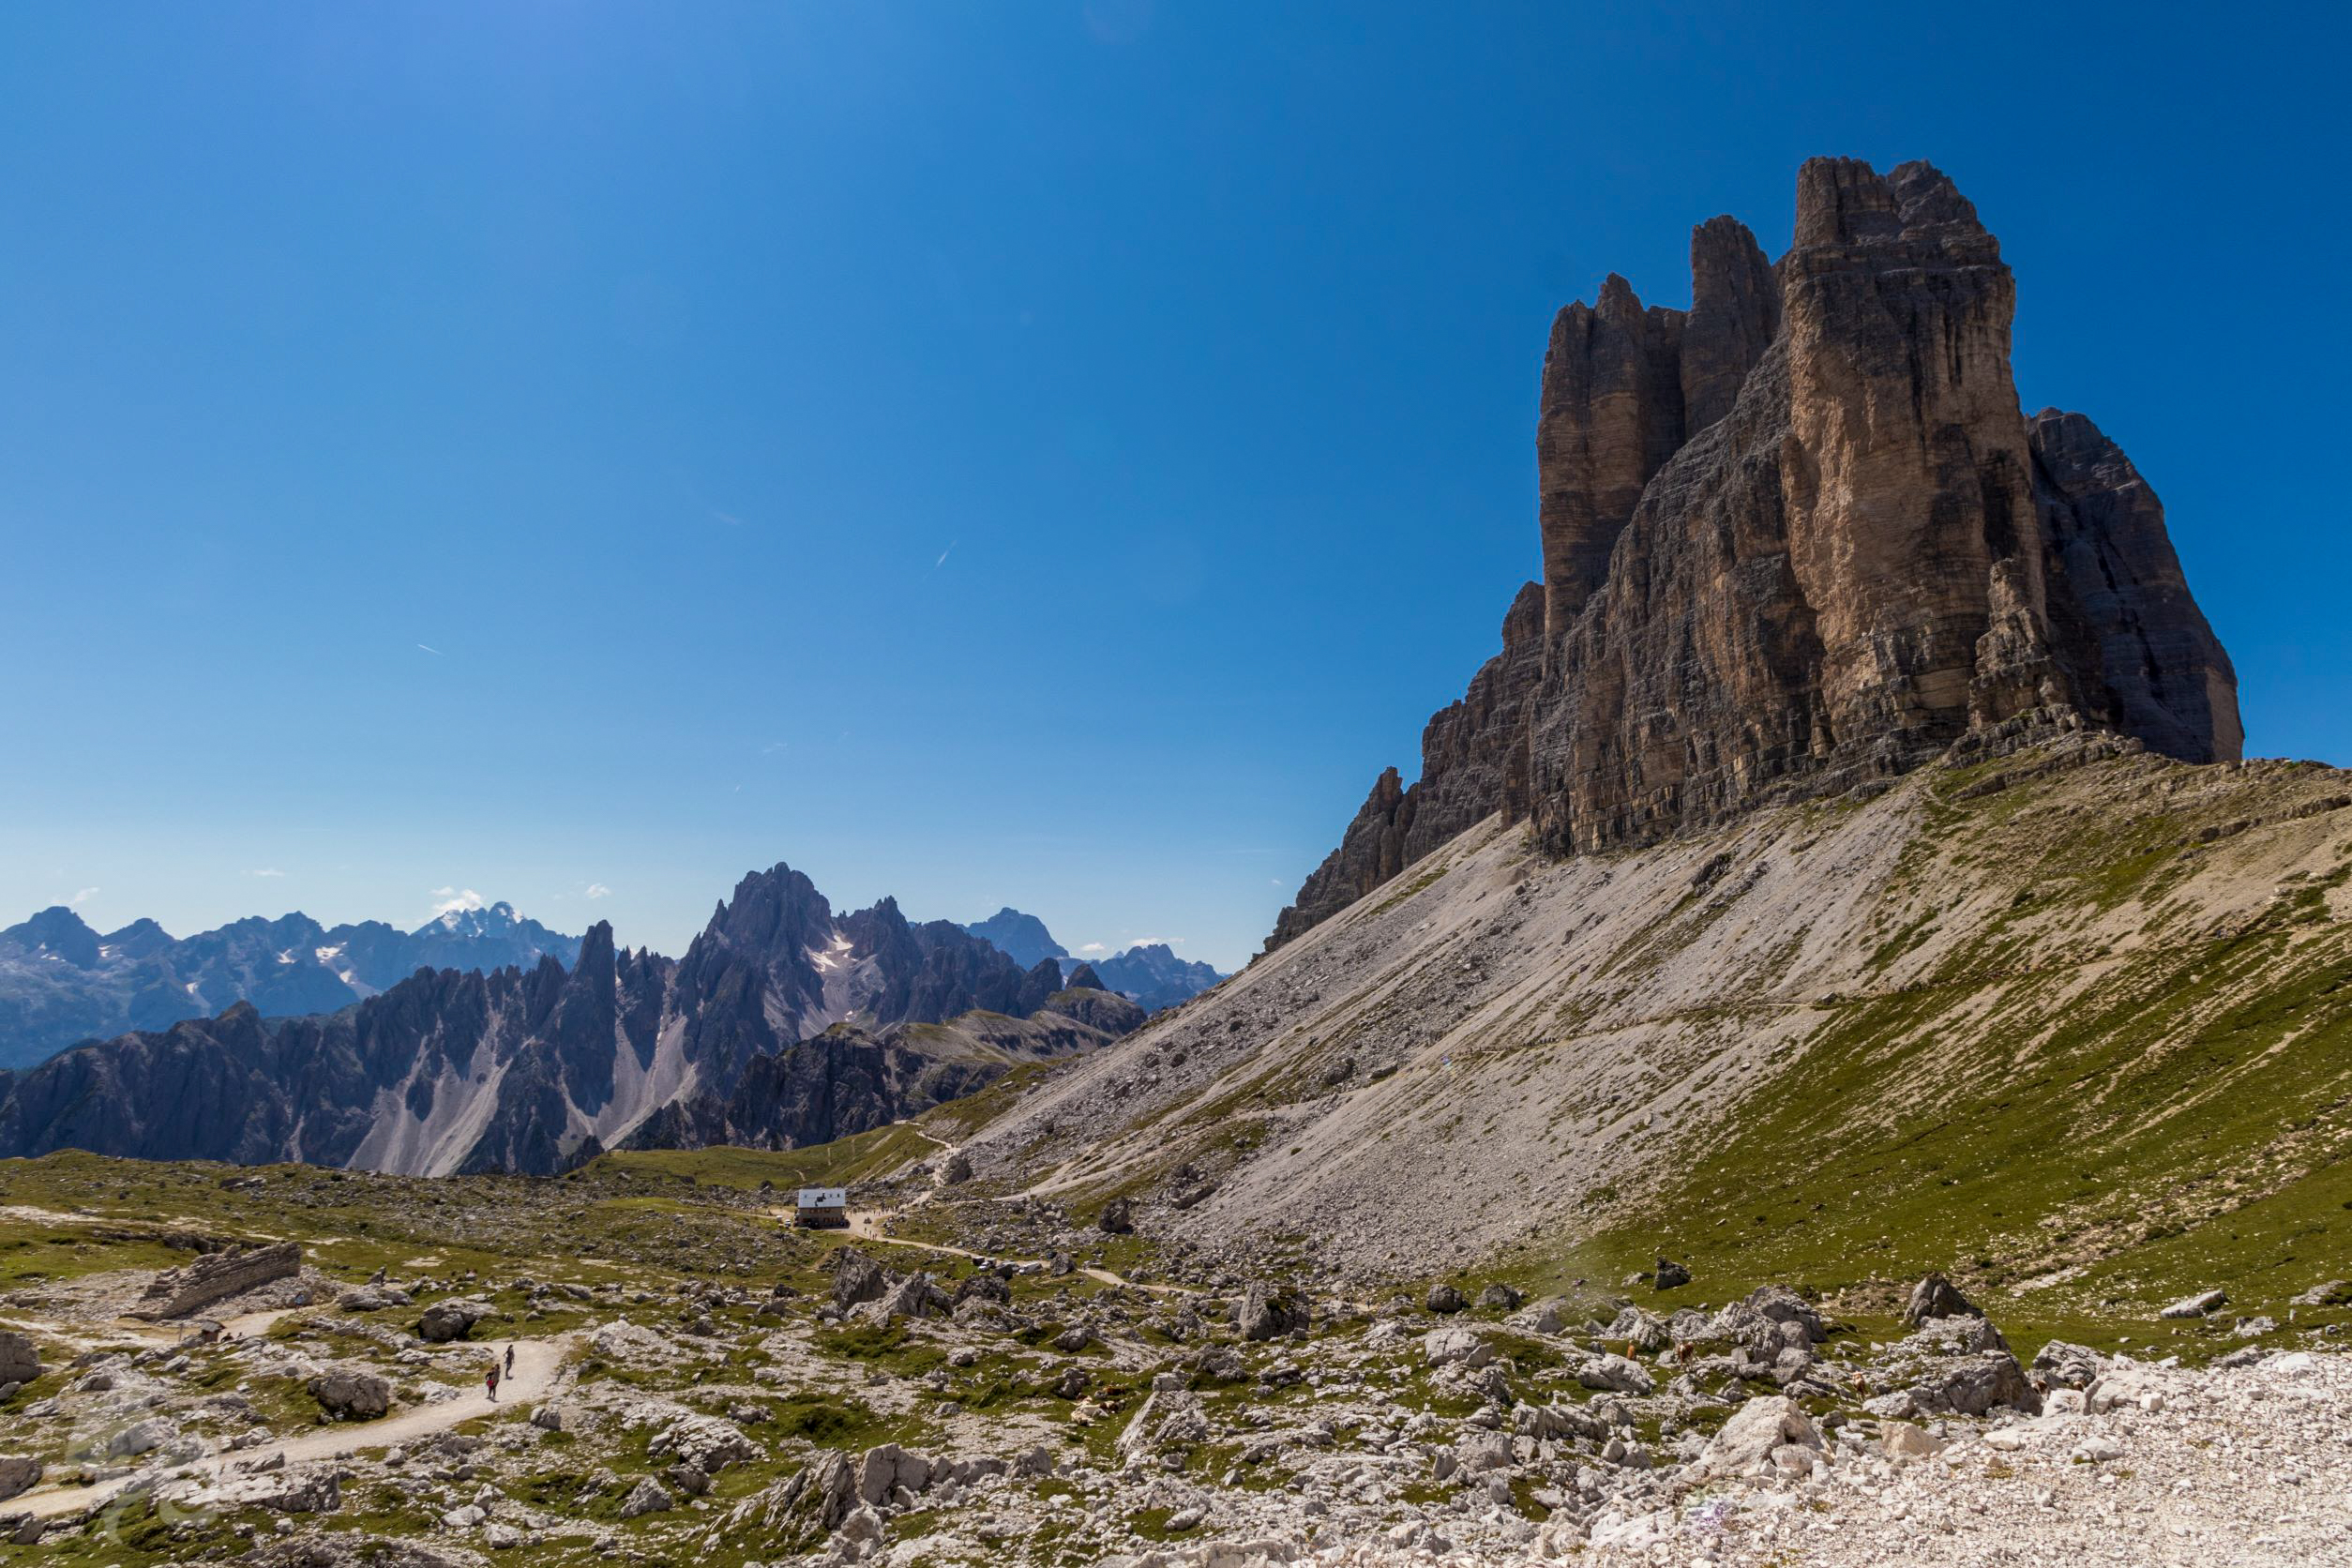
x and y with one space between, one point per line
142 938
58 932
1022 937
773 913
1798 539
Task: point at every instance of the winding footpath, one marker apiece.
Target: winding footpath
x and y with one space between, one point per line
867 1225
538 1370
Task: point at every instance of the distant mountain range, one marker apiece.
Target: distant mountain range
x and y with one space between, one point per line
783 1024
62 982
1151 974
1023 938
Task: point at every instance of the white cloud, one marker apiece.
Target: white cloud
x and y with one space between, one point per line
265 871
454 900
773 747
598 890
84 896
1093 948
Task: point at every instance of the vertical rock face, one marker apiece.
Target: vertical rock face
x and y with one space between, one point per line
2150 665
1735 314
1611 412
1797 538
1910 489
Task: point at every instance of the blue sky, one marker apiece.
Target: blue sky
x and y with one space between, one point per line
1046 453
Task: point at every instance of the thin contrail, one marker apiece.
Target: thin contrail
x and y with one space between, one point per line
435 652
945 553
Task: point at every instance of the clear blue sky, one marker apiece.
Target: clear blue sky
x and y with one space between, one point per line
1039 453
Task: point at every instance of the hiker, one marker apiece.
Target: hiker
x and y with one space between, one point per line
489 1380
510 1361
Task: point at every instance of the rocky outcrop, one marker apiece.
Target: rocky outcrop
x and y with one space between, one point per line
1797 540
216 1276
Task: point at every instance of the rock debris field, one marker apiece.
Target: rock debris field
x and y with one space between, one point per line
998 1386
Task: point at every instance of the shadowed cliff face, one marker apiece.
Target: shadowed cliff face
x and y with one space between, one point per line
1798 539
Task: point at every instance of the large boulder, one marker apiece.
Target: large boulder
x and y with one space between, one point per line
1456 1347
1754 1439
857 1278
453 1319
1118 1217
1263 1314
1615 1375
1767 1305
648 1498
19 1472
352 1394
19 1358
914 1296
216 1276
140 1437
704 1443
889 1467
1937 1297
1780 1304
372 1298
1955 1366
2060 1365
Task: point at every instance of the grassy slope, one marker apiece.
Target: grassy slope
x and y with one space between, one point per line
2075 1144
856 1158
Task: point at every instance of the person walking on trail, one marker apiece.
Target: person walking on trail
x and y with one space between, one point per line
510 1361
489 1380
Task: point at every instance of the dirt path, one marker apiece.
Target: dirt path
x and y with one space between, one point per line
925 1133
538 1364
867 1225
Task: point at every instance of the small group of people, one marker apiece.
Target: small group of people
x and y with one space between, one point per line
490 1379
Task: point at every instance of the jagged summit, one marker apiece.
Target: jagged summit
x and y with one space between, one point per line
1798 538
